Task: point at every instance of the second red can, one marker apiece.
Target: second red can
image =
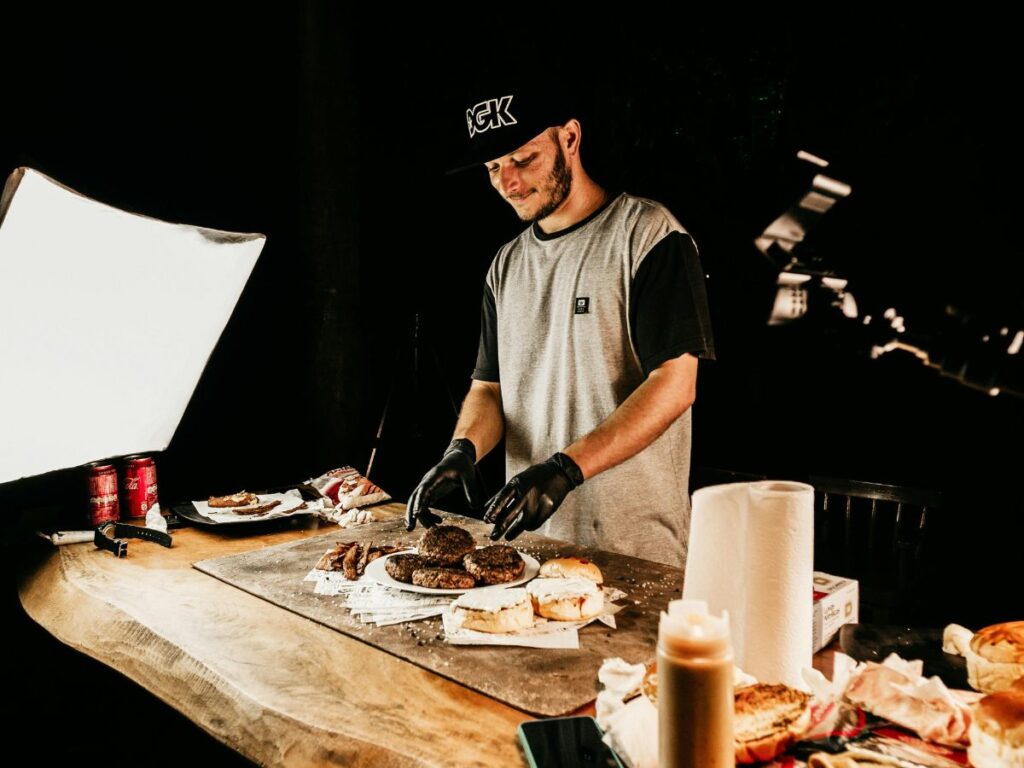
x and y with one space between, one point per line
138 487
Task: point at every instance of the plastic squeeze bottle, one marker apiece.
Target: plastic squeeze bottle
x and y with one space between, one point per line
695 694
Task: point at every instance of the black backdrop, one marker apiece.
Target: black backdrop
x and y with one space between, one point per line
327 132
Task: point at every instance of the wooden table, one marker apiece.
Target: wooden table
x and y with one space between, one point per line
276 687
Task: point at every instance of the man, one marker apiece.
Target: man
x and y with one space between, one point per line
592 322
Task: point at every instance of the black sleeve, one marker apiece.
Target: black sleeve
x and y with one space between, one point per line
668 309
487 354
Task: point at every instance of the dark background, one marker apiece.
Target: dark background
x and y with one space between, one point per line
329 133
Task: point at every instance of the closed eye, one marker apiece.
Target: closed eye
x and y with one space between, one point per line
493 169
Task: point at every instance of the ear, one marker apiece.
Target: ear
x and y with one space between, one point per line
571 134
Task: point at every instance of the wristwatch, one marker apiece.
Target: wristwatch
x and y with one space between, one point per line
111 537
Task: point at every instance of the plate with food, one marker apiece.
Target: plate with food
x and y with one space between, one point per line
447 561
244 507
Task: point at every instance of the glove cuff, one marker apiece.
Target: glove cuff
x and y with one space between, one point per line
463 445
569 467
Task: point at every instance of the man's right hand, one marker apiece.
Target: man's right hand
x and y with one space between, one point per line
457 467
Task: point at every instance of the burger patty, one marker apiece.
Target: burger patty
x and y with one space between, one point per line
443 578
401 567
496 564
445 544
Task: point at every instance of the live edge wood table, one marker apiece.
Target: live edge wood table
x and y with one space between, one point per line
274 686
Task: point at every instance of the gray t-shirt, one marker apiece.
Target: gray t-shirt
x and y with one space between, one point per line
572 323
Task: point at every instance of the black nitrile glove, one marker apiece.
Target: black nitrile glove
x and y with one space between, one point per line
457 467
532 496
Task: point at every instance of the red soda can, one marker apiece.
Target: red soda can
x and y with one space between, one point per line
103 506
139 486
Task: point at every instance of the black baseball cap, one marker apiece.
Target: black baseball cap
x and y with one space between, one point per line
501 117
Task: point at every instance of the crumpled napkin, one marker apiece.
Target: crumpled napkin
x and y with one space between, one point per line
633 733
631 729
155 520
897 691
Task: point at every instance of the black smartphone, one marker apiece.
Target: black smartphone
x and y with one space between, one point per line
566 742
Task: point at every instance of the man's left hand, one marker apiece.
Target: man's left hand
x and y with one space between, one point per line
532 496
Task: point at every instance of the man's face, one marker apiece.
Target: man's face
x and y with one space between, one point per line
534 179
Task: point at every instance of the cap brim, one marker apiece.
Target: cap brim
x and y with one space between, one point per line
495 144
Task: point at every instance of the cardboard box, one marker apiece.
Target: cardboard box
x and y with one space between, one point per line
836 600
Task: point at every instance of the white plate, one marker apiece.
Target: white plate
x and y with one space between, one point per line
375 571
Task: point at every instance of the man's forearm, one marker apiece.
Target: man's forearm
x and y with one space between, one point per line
481 420
666 394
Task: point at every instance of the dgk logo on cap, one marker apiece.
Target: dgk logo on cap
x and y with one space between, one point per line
582 305
488 114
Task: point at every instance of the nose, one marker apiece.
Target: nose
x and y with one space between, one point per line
509 180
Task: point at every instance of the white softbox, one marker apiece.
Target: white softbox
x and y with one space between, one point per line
107 319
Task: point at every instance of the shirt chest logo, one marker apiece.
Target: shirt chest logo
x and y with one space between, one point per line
582 306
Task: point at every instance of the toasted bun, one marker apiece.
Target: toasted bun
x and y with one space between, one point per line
995 658
494 610
649 687
569 567
997 730
769 719
574 599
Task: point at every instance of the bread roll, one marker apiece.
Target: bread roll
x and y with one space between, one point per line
995 657
769 718
574 599
997 730
494 610
571 567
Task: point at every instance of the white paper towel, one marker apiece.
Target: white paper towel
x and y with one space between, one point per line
752 553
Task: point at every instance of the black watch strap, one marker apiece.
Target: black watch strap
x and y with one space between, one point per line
111 536
104 539
142 532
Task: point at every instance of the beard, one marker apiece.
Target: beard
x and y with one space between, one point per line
556 186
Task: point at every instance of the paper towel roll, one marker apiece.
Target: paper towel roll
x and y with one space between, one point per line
752 553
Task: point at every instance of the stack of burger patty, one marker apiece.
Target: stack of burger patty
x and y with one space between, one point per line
447 558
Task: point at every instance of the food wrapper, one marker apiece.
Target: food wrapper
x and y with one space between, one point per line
897 691
853 716
347 489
